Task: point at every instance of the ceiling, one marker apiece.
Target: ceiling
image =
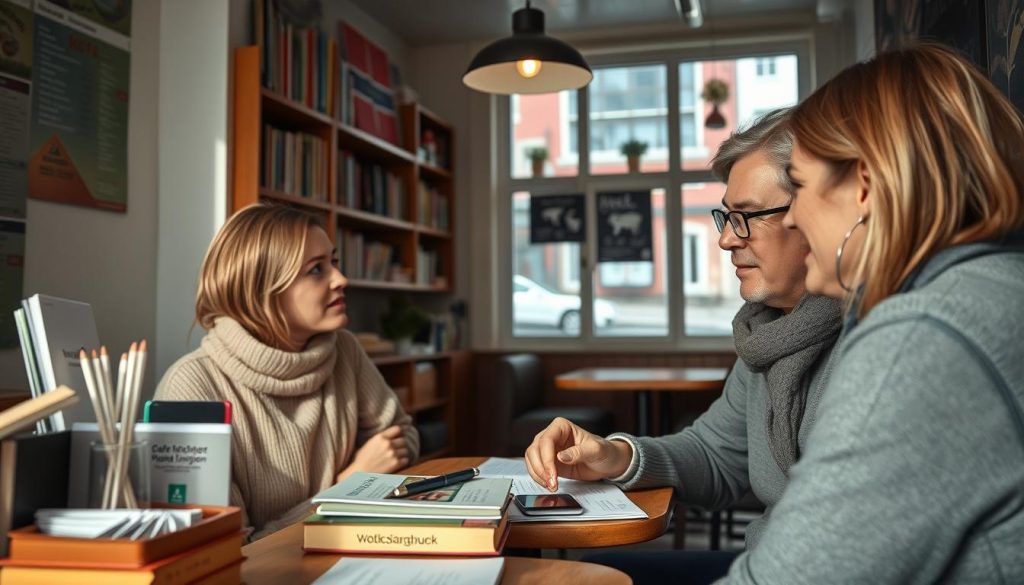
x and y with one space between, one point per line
431 22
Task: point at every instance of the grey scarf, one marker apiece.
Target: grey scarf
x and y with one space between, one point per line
785 347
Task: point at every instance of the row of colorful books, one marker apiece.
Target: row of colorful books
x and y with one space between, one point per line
432 207
370 187
294 163
208 552
358 516
300 63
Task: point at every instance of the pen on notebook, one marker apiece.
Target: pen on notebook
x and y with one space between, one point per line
433 483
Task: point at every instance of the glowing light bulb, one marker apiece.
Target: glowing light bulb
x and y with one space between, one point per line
528 68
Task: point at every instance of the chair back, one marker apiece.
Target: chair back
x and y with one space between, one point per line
519 384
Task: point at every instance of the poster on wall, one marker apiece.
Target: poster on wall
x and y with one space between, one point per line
78 141
15 101
624 226
557 218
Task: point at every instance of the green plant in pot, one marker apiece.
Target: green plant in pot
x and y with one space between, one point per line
633 150
538 155
402 322
715 91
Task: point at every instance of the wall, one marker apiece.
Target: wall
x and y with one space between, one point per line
106 259
193 159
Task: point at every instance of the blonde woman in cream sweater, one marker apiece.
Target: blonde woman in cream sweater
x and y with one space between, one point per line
309 406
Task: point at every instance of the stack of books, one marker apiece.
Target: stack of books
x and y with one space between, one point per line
358 516
208 552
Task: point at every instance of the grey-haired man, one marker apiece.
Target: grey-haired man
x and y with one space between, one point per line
750 437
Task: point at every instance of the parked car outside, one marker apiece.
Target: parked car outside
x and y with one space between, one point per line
537 305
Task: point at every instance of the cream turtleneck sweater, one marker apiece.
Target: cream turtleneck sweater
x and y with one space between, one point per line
298 417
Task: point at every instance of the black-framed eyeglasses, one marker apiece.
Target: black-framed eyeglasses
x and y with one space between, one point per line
738 219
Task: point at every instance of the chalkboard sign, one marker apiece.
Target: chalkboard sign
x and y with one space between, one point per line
557 218
624 226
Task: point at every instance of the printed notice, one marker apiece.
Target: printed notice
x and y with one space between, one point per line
624 226
79 132
557 218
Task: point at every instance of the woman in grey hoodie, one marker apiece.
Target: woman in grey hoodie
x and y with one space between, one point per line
909 174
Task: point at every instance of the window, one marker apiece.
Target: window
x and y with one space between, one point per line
628 103
765 67
545 300
537 122
562 297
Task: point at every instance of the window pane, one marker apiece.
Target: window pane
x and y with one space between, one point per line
628 103
631 298
545 281
757 85
710 287
545 121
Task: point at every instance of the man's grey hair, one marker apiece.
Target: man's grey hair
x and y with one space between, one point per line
769 134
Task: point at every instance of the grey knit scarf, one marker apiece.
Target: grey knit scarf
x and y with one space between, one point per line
785 348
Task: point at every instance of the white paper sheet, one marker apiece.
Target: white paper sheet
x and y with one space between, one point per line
600 500
365 571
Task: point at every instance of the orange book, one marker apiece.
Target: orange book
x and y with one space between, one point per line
186 567
28 545
415 536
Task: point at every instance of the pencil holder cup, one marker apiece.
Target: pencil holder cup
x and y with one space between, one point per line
111 486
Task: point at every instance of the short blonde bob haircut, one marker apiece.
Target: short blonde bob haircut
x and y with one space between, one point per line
254 257
944 150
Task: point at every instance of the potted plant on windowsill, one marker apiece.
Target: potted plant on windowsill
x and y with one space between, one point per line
715 91
633 150
402 323
538 155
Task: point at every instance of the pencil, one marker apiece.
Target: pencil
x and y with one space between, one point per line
122 456
136 393
97 407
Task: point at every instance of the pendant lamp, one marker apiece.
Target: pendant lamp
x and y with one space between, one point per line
529 61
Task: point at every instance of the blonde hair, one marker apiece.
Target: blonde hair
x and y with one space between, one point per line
254 257
944 150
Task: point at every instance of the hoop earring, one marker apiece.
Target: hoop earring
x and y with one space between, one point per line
839 254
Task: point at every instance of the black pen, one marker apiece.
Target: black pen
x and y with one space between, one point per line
433 483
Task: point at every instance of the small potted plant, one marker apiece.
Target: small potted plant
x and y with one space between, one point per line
715 91
538 155
402 322
633 150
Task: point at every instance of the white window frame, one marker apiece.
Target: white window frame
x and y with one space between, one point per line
700 233
798 43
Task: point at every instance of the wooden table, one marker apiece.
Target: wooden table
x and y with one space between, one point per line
279 558
539 535
645 381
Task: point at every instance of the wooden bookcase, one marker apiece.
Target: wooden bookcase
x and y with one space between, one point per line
409 232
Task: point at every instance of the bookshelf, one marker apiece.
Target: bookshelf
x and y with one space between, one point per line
389 209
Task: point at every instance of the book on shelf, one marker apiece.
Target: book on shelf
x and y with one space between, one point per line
367 494
428 267
432 207
294 163
372 343
299 63
189 566
371 187
364 259
353 534
367 99
33 475
59 328
189 463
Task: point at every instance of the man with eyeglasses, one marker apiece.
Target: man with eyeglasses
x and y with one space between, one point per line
750 437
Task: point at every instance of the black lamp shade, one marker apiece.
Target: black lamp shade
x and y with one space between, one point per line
493 70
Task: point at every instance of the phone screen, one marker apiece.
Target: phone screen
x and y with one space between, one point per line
548 504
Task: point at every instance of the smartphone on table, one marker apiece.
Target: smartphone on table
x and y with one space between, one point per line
187 411
548 505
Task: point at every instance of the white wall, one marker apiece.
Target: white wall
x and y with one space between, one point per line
106 259
193 160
